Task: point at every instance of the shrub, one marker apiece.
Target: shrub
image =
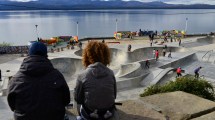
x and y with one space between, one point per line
189 84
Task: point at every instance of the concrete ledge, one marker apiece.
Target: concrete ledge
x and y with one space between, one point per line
180 105
210 116
132 110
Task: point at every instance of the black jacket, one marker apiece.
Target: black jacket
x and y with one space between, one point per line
38 91
96 87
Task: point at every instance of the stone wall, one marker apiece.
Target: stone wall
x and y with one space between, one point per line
13 49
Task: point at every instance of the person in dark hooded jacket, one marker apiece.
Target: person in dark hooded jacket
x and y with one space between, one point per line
38 91
95 89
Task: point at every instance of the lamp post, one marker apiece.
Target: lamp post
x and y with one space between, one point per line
77 28
0 75
116 25
186 25
37 32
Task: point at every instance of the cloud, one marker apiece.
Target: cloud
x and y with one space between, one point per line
212 2
23 0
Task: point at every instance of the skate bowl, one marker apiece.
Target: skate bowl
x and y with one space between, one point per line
121 57
69 67
117 57
129 67
200 42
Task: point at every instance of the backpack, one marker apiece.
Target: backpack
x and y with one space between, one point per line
86 114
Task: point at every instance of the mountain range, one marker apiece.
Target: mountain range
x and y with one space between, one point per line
94 4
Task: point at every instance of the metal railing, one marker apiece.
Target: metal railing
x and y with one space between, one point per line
210 51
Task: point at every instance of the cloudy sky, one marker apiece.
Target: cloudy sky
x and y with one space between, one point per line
166 1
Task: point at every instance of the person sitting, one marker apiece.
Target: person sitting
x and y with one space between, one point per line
38 91
95 90
170 54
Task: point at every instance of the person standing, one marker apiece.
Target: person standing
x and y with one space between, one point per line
95 90
80 45
171 39
38 91
151 43
179 42
150 37
178 71
157 55
153 53
165 47
196 71
129 47
147 64
164 52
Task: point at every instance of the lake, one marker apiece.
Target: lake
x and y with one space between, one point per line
18 27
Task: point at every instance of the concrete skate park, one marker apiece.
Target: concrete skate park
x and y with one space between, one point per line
129 67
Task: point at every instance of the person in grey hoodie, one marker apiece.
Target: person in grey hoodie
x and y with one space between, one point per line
95 88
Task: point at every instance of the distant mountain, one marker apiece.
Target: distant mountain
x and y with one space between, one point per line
94 4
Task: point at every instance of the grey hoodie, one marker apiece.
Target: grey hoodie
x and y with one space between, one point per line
96 87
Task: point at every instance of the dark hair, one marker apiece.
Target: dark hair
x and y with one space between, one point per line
96 52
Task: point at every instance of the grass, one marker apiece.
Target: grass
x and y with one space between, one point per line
189 84
4 44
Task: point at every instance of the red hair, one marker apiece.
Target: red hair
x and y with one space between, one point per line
96 52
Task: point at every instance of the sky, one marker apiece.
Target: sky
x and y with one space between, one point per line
212 2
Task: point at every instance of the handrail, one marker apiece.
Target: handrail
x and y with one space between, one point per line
209 57
207 53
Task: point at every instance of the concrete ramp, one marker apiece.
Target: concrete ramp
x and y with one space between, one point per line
129 70
200 42
149 78
160 76
69 67
156 76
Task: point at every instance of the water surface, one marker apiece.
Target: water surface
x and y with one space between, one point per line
18 27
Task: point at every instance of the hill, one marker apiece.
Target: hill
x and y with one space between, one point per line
94 4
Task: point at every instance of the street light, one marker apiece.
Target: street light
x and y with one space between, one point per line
186 25
37 32
116 25
77 28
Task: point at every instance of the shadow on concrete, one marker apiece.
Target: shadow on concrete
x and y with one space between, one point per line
125 116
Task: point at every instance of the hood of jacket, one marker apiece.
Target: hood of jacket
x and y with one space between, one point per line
36 66
99 70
